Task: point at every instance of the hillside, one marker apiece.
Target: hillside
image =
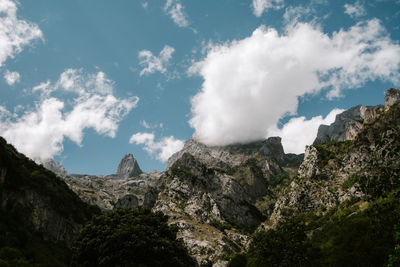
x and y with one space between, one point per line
39 215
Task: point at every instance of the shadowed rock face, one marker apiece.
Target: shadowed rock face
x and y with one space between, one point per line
128 167
347 124
350 122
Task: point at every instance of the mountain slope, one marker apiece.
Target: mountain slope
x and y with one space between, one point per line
39 213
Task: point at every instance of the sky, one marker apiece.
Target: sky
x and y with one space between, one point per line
85 82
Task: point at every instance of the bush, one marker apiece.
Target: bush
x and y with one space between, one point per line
130 238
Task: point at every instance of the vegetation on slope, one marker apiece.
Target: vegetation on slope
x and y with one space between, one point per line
361 234
130 238
20 244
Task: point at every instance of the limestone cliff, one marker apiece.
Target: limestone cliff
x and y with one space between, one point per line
361 169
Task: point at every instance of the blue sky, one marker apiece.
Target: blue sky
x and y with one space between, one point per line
87 81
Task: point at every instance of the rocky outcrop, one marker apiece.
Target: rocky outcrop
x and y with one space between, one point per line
350 122
215 194
127 202
361 169
347 124
128 167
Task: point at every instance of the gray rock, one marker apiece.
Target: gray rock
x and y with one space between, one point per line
127 202
128 167
347 124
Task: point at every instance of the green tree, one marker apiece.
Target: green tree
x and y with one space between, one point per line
130 238
287 245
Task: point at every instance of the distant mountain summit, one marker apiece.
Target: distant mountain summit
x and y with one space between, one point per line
128 167
350 122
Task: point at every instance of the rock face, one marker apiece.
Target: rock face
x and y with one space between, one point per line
347 124
107 192
214 194
350 122
356 170
128 167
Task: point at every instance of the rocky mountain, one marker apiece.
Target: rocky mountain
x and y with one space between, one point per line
218 196
347 124
364 167
128 167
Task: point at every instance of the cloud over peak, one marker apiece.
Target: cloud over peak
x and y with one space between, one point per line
250 84
162 149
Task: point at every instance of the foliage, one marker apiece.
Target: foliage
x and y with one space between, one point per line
130 238
359 234
279 178
285 246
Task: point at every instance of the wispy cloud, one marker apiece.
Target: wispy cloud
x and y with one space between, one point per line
175 10
356 10
152 64
40 132
14 33
162 149
259 6
11 78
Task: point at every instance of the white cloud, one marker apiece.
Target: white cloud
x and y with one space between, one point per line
356 10
14 33
300 132
162 149
152 63
11 78
145 5
250 84
40 132
174 8
259 6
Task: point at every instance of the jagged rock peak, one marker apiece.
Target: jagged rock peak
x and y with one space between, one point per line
347 124
128 167
392 97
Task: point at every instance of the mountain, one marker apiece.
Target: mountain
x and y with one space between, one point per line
214 195
39 215
221 199
128 167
